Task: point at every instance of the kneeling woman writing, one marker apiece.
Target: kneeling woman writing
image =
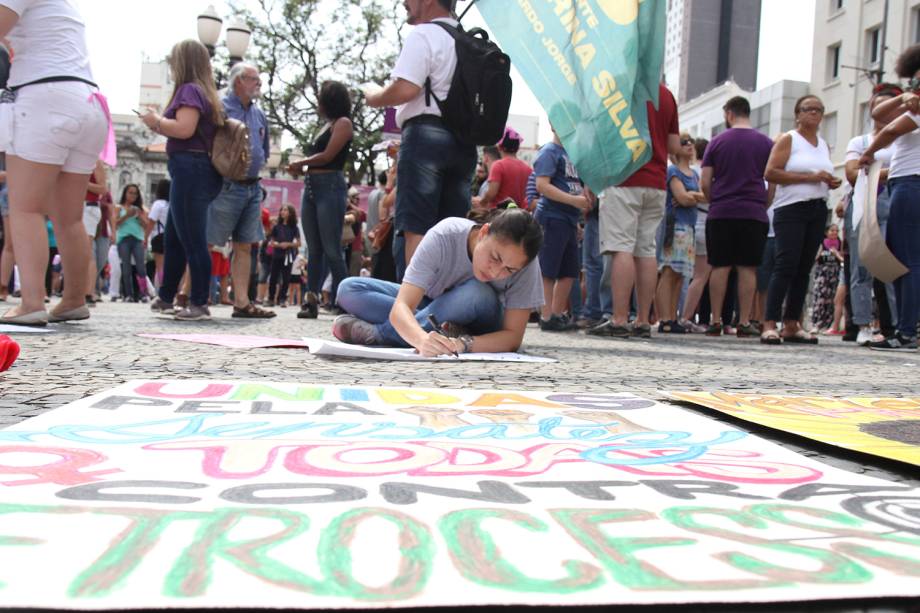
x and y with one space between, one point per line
480 280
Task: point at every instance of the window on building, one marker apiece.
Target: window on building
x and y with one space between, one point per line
716 130
865 118
873 45
835 5
760 118
829 130
833 62
915 24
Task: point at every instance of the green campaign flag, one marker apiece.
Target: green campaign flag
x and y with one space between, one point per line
593 65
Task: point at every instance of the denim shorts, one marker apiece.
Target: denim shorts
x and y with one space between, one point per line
236 214
434 172
58 124
4 201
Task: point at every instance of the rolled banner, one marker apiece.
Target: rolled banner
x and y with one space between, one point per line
873 252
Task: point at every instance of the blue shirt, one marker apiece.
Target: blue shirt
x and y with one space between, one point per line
684 215
553 162
255 120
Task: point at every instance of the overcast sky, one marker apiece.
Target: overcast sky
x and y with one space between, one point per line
121 34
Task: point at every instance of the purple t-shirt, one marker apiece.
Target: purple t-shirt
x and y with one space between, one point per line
738 158
190 95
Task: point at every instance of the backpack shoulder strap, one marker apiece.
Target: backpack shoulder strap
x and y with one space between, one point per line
454 33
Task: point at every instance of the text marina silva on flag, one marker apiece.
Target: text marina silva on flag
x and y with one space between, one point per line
593 65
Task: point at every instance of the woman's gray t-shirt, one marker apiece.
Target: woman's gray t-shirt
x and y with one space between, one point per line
441 262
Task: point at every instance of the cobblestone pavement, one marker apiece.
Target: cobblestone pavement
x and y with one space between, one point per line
79 359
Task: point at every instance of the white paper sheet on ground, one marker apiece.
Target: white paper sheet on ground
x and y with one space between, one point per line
300 495
323 347
873 252
7 329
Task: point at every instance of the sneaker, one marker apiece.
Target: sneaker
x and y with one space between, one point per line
714 329
608 328
349 329
162 307
691 327
588 322
557 323
850 335
308 311
194 312
114 299
747 330
865 337
895 343
90 301
671 327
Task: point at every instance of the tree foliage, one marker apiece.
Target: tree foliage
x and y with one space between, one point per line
299 44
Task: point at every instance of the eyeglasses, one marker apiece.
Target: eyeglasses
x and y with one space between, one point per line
812 109
253 79
686 141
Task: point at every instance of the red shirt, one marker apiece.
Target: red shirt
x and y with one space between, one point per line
511 175
661 123
90 196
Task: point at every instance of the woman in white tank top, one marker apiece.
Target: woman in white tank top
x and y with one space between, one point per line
800 166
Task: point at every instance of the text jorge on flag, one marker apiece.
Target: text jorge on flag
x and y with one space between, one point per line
593 65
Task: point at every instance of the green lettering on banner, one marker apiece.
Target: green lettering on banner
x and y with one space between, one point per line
593 65
617 553
416 550
255 391
834 568
191 574
477 557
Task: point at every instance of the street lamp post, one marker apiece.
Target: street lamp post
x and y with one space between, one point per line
236 41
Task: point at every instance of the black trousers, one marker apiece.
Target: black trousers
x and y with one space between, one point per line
280 272
799 231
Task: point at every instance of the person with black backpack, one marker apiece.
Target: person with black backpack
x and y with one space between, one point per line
452 89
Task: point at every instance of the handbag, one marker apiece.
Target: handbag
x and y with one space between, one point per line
382 232
348 235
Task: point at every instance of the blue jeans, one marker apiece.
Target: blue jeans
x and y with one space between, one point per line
236 214
130 247
861 281
195 184
903 230
322 213
434 173
799 229
598 299
471 304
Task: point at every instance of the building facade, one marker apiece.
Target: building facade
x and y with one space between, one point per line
850 55
771 108
709 42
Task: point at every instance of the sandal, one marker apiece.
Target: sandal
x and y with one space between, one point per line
251 311
770 337
801 337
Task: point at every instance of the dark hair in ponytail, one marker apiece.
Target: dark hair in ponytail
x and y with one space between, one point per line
518 227
509 144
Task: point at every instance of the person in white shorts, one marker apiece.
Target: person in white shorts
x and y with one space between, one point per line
52 136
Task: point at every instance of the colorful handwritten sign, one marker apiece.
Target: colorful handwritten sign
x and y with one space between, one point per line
886 427
211 494
593 65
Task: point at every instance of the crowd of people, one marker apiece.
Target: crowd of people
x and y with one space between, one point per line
458 249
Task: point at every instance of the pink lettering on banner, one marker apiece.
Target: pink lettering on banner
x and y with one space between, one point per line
210 390
66 470
253 458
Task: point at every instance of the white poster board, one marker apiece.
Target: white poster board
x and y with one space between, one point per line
193 494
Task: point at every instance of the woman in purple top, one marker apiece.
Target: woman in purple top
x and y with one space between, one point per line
189 123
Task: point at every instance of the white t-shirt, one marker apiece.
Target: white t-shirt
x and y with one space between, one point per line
905 153
858 145
428 51
158 213
49 40
806 158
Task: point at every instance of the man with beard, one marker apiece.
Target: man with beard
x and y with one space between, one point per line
236 212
